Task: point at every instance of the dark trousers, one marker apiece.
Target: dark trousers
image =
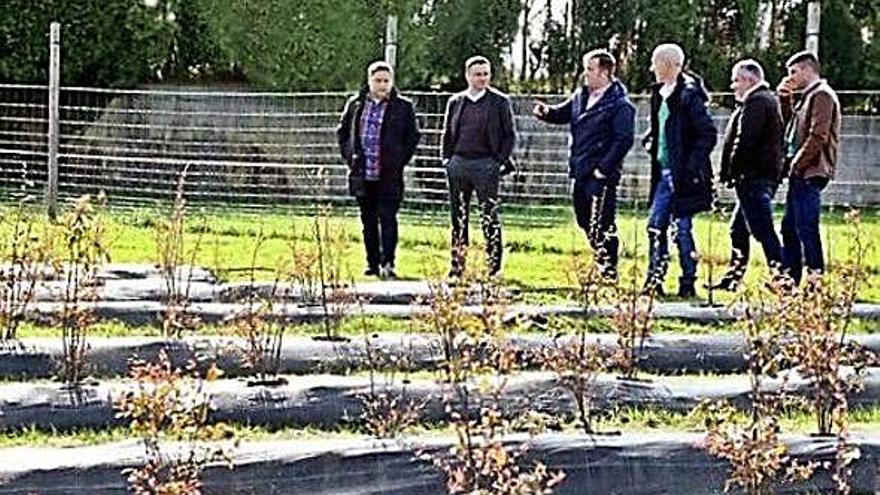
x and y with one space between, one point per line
465 177
379 221
802 244
753 216
595 208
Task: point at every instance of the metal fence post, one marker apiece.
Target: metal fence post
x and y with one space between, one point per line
814 12
391 41
54 91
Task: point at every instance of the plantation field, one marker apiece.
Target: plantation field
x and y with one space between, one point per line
422 376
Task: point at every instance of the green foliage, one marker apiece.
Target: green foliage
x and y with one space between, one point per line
318 45
841 41
303 45
112 42
458 29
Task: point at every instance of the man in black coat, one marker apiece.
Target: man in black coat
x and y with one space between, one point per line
679 141
751 164
477 141
378 135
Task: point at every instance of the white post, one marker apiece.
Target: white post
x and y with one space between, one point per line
391 41
814 11
54 90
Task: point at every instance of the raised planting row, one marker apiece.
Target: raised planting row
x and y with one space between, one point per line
133 293
109 357
334 400
629 464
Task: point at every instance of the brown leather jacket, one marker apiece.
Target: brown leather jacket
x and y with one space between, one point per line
817 117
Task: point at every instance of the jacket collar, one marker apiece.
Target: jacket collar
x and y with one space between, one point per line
364 93
809 90
754 89
686 81
612 94
814 86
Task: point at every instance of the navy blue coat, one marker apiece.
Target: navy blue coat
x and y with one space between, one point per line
600 136
398 139
690 137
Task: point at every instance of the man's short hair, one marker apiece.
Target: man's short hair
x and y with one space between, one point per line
605 58
379 66
475 60
669 52
750 67
805 57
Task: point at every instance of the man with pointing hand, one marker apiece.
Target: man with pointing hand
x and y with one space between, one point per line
601 119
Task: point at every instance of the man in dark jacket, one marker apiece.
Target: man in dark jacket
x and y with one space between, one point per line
751 164
378 134
602 122
477 141
679 141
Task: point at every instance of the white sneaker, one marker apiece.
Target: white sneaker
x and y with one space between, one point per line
386 272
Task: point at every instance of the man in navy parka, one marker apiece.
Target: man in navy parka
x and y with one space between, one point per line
602 122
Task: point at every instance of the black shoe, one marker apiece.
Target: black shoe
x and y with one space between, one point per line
727 284
653 289
455 273
371 271
781 283
687 291
609 275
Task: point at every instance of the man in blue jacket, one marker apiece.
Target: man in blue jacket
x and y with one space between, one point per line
602 122
679 141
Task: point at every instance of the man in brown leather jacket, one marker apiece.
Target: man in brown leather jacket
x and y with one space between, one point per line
811 140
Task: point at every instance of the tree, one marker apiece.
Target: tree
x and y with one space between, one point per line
458 29
108 43
302 45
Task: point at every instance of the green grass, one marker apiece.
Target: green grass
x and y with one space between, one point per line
32 437
354 328
631 420
538 244
537 253
863 420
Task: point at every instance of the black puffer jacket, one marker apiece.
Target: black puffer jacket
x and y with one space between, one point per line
753 139
690 137
398 139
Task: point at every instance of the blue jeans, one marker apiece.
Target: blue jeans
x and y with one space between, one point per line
595 207
658 225
753 216
801 242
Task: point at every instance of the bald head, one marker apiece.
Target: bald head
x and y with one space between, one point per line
667 62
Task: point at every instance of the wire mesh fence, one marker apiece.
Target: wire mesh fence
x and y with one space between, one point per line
261 149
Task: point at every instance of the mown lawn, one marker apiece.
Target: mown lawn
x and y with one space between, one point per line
630 420
538 249
355 328
539 243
